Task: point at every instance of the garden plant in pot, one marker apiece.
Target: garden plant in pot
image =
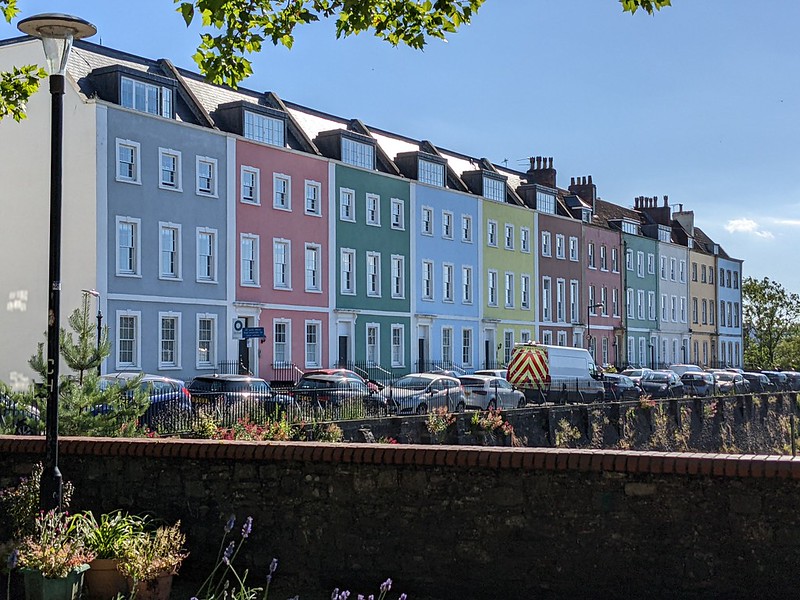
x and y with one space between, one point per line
108 537
54 558
150 561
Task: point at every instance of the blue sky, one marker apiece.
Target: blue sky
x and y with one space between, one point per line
699 102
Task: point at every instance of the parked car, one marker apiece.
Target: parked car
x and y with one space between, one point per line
681 369
493 372
170 400
662 384
779 379
372 385
793 378
698 383
17 418
620 387
420 392
487 392
759 383
318 390
636 374
234 397
729 382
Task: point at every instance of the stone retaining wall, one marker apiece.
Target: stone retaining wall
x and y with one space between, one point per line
457 522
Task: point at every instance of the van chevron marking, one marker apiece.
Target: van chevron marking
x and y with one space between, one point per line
529 366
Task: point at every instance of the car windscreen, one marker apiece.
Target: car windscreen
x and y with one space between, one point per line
412 383
724 376
693 377
660 377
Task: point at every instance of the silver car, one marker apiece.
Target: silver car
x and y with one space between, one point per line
487 392
420 392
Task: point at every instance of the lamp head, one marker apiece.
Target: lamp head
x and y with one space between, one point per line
57 32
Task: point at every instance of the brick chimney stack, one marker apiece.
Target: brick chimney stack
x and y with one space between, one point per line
542 171
649 206
583 187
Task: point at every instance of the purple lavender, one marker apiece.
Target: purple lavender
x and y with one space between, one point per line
229 525
247 527
226 558
273 566
386 586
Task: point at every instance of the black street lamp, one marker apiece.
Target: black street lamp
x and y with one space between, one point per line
589 310
57 32
96 294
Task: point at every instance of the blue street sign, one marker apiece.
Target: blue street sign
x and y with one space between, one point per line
253 332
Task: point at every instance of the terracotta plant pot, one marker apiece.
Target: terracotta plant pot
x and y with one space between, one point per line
103 581
156 589
39 587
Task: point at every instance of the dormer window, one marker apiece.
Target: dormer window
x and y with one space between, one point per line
586 215
494 189
146 97
664 234
431 172
630 227
358 154
545 202
263 128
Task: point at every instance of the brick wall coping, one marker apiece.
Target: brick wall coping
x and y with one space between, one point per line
526 459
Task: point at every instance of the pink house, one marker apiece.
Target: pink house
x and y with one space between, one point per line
282 262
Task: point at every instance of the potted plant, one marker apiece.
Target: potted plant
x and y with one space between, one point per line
54 558
150 561
107 538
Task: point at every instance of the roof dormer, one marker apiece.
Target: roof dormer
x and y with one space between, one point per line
138 90
348 146
253 121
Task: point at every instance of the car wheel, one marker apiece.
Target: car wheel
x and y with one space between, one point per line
24 429
492 404
422 409
460 407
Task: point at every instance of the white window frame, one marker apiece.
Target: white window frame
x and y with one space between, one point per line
373 271
374 219
630 308
285 282
640 264
136 350
313 200
213 179
448 226
177 185
561 300
176 229
212 267
447 348
426 221
163 106
525 292
428 281
398 357
651 263
547 244
347 256
136 165
347 205
573 248
467 284
492 285
525 240
590 255
282 191
264 129
491 233
176 350
286 344
466 228
398 276
508 288
574 301
651 306
316 272
509 236
317 328
372 347
448 282
629 259
136 242
209 363
254 196
547 299
466 346
256 260
560 246
398 216
614 260
603 258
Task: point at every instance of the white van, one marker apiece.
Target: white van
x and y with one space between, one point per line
556 374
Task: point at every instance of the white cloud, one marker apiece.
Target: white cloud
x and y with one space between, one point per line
747 226
787 222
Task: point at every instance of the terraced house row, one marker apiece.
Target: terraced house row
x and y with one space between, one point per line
197 211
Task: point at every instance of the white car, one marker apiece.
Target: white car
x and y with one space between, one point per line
418 393
493 372
490 392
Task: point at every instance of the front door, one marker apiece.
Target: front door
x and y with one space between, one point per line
343 350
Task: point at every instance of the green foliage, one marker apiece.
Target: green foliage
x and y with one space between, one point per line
84 354
109 536
55 548
19 505
147 556
648 6
328 432
16 87
566 434
769 313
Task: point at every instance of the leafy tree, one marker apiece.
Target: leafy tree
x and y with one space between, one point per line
770 313
241 27
787 354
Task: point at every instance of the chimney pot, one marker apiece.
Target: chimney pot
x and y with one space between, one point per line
666 200
538 162
571 181
590 179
